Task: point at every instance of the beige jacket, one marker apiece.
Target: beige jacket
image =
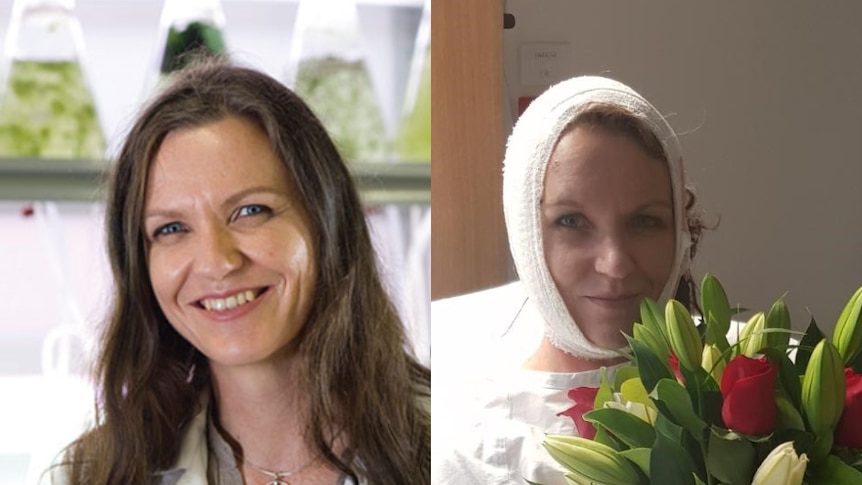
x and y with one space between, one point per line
191 466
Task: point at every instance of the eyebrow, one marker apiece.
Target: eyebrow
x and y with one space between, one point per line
232 200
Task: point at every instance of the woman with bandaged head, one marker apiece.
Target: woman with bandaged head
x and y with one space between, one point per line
598 218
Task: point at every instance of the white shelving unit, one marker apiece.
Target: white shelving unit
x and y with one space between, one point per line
83 180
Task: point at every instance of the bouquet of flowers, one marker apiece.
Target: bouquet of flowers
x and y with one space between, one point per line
695 409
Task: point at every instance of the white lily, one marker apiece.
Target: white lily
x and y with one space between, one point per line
781 467
640 410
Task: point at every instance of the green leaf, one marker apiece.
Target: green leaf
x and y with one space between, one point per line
834 471
667 428
650 367
803 441
731 460
532 483
670 462
857 364
812 337
605 392
788 379
640 457
633 390
713 333
704 393
623 374
673 400
788 416
628 428
605 438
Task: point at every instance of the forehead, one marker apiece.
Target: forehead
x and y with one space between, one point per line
228 154
595 161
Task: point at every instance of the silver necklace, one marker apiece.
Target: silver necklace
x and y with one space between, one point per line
278 478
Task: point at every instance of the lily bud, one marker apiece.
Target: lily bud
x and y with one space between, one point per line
655 342
651 316
778 317
713 300
823 388
683 336
781 467
589 461
788 416
848 330
712 362
752 338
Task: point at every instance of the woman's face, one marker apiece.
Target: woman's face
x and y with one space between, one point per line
607 230
230 247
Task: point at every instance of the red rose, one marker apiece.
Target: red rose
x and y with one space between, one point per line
585 399
848 433
748 388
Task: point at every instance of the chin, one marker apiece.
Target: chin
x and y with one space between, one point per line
611 339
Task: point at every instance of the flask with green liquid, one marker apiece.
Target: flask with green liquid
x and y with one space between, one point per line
328 70
47 109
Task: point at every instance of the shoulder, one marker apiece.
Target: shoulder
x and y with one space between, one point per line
496 438
465 324
56 474
480 304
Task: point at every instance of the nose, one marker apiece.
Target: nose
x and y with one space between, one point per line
613 258
217 254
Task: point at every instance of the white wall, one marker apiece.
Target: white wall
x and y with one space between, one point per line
767 96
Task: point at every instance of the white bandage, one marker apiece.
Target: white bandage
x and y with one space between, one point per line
527 154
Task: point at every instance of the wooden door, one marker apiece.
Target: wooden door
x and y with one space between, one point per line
469 247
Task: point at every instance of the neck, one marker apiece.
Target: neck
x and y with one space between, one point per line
551 359
263 409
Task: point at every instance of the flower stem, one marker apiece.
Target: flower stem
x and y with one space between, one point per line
709 480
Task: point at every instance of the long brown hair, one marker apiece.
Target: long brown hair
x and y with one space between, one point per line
361 382
618 120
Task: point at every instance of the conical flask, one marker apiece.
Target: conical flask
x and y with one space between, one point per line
413 142
327 68
189 30
46 107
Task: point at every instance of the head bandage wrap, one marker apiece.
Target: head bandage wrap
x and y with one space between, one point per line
528 152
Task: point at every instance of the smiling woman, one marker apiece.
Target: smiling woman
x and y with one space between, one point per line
251 339
231 255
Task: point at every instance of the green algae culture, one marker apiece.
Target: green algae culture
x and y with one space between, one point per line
195 39
47 111
341 95
414 135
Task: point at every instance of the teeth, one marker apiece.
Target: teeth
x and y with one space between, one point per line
221 304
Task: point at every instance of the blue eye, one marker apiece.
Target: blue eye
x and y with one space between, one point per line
168 229
252 210
572 221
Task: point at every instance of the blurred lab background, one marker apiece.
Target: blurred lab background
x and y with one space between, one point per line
74 73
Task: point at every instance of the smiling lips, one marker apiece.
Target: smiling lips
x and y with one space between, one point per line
229 303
